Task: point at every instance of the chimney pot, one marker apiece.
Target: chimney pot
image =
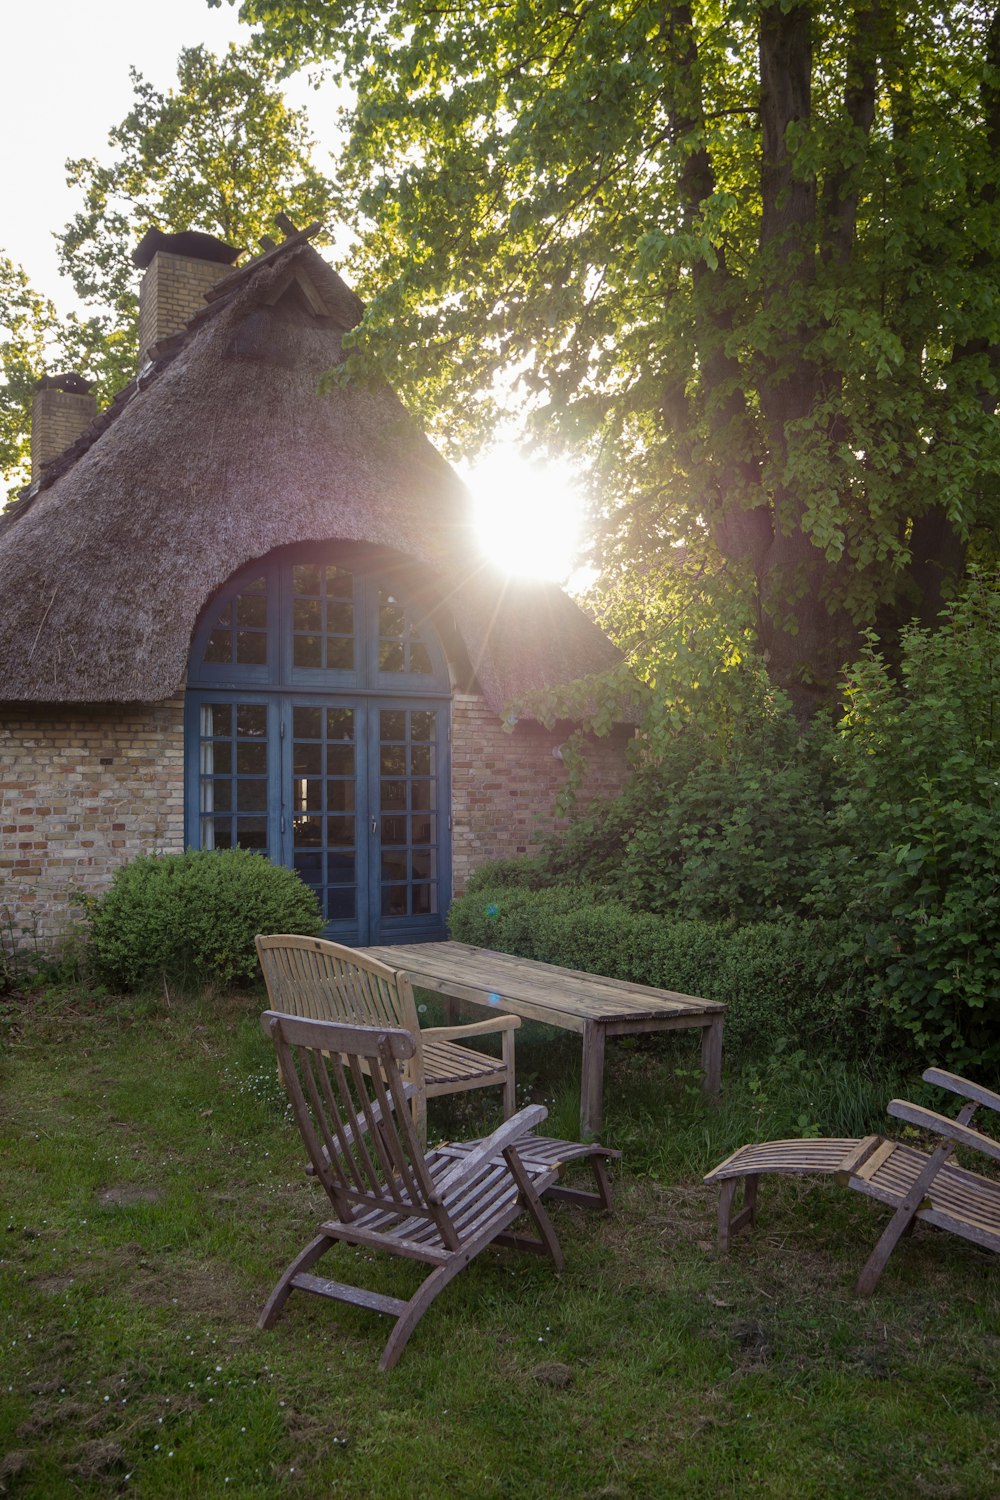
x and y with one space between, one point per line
179 270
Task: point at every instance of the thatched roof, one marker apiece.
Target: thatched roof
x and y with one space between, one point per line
220 451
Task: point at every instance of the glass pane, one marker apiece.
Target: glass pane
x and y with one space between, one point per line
251 794
391 624
420 760
220 717
306 614
423 900
392 760
225 616
340 619
307 723
222 794
307 651
390 656
340 724
394 901
392 724
340 760
222 757
251 611
340 902
308 832
422 796
307 760
251 758
341 869
308 795
393 796
309 866
394 866
421 725
251 720
251 648
339 583
421 830
251 833
393 831
420 660
340 796
423 864
340 832
217 833
220 646
339 653
305 579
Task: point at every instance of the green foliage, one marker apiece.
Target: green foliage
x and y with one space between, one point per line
740 259
918 769
519 870
221 152
794 981
190 919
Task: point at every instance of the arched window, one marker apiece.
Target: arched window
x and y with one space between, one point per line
317 731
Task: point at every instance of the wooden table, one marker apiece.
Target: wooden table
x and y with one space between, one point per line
567 998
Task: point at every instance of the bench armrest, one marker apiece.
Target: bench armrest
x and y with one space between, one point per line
952 1130
474 1028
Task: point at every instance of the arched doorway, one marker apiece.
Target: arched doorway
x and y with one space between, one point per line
317 729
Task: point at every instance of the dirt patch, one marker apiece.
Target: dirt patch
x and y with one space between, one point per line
204 1289
124 1197
11 1465
53 1286
98 1457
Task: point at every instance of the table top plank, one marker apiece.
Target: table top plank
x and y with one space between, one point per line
565 997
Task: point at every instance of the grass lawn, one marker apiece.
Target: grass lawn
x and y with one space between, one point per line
153 1189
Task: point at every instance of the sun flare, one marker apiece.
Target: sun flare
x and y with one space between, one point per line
529 516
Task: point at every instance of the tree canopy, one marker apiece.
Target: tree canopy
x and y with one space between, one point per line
741 256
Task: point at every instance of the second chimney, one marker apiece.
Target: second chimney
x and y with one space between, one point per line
62 409
179 270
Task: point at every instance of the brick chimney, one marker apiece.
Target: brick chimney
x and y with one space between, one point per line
179 270
63 408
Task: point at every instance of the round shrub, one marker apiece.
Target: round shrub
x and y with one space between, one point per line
191 919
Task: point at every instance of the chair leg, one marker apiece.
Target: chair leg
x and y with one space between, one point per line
730 1222
901 1223
548 1241
418 1305
308 1257
510 1085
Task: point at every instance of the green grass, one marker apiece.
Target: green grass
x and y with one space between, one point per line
153 1188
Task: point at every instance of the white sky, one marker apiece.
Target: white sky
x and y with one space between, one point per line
63 84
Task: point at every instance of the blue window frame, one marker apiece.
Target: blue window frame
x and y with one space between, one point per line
318 731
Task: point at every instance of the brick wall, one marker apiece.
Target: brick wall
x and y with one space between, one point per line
173 289
505 782
82 790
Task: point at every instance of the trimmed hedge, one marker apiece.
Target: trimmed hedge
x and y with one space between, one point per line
191 919
794 979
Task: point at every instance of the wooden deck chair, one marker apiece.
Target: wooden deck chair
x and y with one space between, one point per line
328 982
349 1099
916 1184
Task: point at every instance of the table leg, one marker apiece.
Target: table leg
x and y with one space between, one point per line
592 1080
711 1056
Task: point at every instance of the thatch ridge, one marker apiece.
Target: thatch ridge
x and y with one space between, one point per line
220 451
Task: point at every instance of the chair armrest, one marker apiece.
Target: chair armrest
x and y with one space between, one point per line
507 1134
952 1130
963 1087
475 1028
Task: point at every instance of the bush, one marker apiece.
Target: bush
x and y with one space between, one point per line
190 919
797 981
518 870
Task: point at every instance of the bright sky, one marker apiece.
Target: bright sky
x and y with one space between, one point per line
64 82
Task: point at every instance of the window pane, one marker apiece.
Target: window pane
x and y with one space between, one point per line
306 615
339 583
251 833
217 833
421 830
307 723
420 660
423 900
341 869
251 794
423 864
307 760
339 653
251 758
307 651
222 795
393 831
340 760
422 796
392 760
220 719
393 796
340 796
251 720
392 724
340 619
222 757
394 901
391 624
420 760
390 656
220 646
305 579
340 832
340 724
340 902
394 866
421 725
251 648
251 611
308 832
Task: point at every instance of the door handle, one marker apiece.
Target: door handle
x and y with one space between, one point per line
374 826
